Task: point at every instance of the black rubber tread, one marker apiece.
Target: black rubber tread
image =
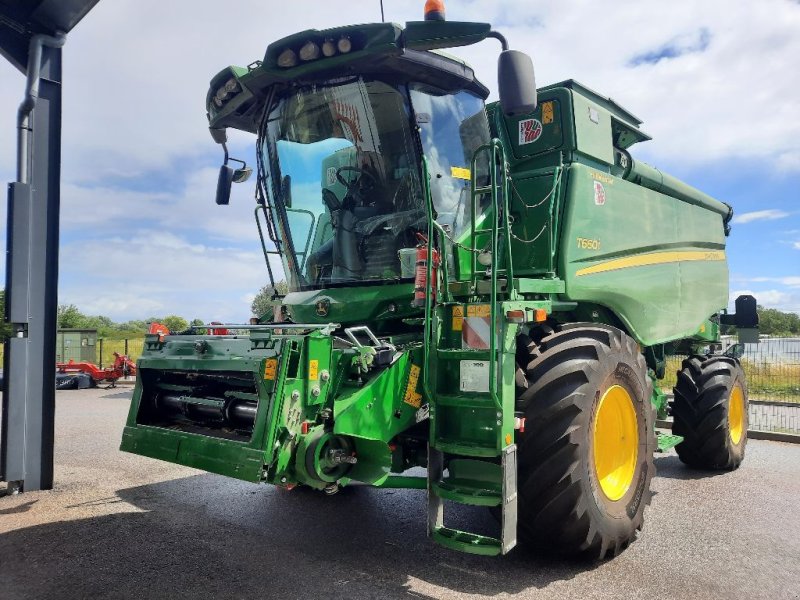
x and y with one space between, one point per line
561 507
700 412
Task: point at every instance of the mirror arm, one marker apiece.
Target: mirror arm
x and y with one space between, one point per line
225 149
499 36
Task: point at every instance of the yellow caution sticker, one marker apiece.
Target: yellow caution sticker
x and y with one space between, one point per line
313 370
458 318
547 112
460 172
411 396
479 310
271 368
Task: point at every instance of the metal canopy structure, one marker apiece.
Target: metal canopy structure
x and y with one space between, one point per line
31 36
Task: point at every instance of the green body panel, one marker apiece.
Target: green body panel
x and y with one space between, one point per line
200 452
363 304
656 302
373 414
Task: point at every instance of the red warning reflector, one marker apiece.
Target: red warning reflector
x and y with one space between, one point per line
304 427
515 316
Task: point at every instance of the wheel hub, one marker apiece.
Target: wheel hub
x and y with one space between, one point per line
616 442
736 414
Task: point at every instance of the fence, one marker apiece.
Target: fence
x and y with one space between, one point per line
105 350
772 367
130 347
773 379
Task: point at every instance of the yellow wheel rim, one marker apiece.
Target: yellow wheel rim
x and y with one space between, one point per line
736 414
616 442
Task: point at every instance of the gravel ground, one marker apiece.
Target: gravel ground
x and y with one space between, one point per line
123 526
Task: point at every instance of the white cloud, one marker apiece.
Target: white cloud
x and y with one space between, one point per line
789 161
136 102
767 298
136 148
760 215
796 245
159 272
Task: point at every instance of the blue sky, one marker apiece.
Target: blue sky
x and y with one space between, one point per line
714 83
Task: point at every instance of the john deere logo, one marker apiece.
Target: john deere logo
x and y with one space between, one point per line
323 307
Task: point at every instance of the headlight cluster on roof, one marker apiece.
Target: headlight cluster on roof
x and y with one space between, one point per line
311 50
226 91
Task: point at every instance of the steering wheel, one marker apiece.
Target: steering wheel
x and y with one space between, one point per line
361 173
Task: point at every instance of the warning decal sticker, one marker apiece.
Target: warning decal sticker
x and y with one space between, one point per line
599 194
458 317
412 397
547 112
313 370
270 368
530 130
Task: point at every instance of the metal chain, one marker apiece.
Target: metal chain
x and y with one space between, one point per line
543 200
462 246
538 235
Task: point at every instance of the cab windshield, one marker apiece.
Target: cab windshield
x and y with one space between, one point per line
344 165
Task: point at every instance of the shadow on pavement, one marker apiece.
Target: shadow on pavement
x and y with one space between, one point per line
206 536
671 467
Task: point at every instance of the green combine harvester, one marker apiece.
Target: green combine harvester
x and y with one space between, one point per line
488 292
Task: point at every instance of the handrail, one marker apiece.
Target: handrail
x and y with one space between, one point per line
554 194
264 244
428 325
499 207
304 211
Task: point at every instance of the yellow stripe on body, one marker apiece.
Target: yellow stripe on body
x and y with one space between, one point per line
654 258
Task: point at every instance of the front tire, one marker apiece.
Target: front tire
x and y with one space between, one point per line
586 456
710 411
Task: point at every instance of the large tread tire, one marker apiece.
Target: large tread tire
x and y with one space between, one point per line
562 507
701 409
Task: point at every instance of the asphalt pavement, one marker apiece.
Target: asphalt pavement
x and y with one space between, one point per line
124 526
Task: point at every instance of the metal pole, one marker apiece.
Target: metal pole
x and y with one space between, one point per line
26 439
101 353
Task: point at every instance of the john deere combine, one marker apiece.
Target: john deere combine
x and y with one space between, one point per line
488 292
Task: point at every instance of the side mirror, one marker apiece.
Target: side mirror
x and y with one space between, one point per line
224 184
242 175
516 83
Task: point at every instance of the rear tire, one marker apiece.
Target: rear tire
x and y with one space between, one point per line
710 411
586 456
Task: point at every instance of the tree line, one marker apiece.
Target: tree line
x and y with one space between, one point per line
771 320
71 317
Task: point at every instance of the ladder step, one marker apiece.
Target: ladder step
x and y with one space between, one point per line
473 482
666 441
475 400
463 354
463 493
473 450
471 543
